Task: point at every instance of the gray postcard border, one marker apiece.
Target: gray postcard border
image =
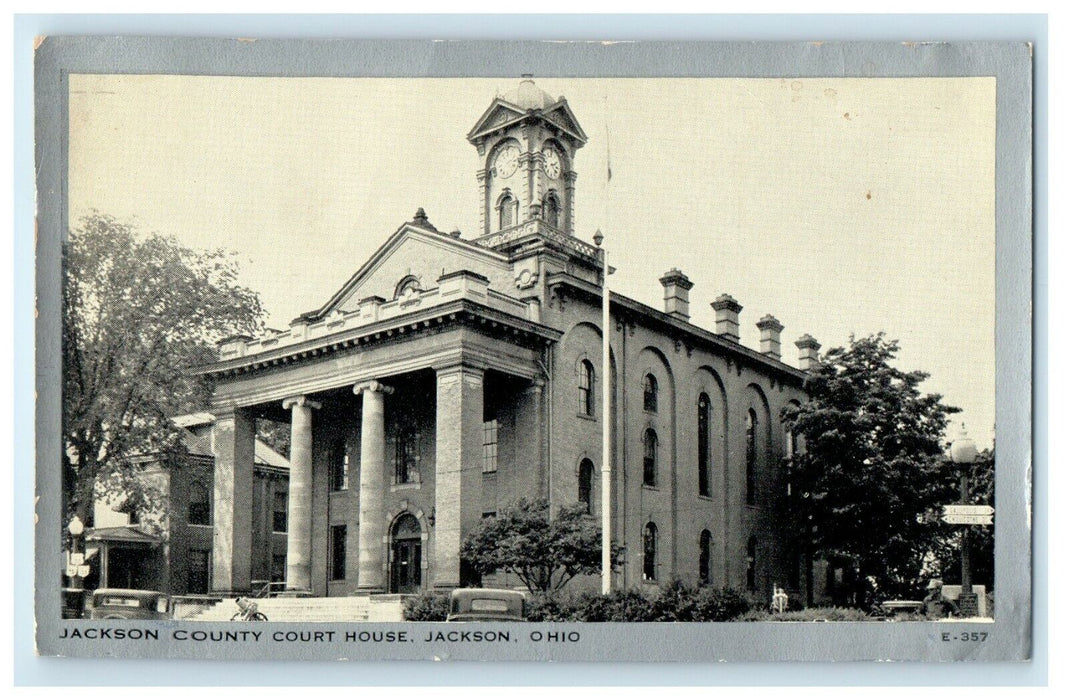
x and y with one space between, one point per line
1009 62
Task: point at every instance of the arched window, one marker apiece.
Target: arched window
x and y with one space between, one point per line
649 553
586 484
551 210
506 207
704 488
586 388
705 546
649 458
649 393
200 505
751 564
751 457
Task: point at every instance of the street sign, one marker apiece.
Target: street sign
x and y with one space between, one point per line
77 559
968 510
72 571
967 519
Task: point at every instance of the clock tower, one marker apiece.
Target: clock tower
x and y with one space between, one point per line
527 142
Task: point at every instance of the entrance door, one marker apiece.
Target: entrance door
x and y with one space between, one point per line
406 556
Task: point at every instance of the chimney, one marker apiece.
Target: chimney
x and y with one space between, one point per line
727 316
676 294
770 327
807 353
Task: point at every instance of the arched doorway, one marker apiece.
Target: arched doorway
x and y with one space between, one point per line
406 555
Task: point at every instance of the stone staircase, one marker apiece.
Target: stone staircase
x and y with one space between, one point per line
357 608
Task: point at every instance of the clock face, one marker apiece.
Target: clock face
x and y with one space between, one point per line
551 162
508 159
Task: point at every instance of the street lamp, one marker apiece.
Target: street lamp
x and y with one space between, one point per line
963 453
74 564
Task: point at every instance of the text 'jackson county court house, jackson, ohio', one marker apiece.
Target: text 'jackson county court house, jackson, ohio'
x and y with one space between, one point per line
450 376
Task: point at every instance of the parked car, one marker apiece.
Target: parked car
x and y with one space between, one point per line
476 604
128 604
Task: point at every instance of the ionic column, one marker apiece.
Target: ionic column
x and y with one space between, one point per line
372 566
458 467
234 445
299 517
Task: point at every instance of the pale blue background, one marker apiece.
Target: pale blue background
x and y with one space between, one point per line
30 670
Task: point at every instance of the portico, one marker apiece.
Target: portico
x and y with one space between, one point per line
403 410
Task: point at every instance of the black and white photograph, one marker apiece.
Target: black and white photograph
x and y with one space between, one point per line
477 361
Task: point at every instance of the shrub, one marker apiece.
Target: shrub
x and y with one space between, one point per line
427 607
677 602
808 615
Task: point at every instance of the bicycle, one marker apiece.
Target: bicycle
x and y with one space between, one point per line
247 612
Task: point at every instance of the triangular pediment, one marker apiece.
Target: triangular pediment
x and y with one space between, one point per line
561 116
499 115
413 252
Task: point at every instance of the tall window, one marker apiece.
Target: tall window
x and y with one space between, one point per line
200 505
705 545
649 393
339 465
507 204
703 446
751 457
551 210
197 571
406 456
649 458
751 564
649 553
337 552
586 388
490 446
586 484
278 515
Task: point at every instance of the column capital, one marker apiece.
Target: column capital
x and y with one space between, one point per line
292 401
374 386
535 387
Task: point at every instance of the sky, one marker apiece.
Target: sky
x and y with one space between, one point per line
840 206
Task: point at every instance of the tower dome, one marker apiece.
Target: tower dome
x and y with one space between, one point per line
528 95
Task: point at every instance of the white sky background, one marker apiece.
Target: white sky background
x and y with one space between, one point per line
838 205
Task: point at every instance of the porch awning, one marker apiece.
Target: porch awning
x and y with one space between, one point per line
127 534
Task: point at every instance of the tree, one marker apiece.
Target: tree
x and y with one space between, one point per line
872 466
138 312
545 554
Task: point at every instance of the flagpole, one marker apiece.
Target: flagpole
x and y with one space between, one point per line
606 419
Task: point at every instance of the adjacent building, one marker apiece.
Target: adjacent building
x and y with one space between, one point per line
170 550
453 374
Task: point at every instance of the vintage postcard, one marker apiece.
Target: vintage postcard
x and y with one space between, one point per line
533 351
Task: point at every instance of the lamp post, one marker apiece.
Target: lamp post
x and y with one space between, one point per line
75 527
963 453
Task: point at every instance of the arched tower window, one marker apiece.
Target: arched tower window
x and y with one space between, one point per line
704 488
586 388
586 484
751 457
649 458
751 564
551 210
649 553
507 208
705 546
649 393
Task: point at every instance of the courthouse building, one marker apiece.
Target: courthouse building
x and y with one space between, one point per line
453 374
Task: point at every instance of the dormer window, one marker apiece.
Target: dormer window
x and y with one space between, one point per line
407 290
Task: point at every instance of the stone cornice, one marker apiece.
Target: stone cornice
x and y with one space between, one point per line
391 330
676 326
